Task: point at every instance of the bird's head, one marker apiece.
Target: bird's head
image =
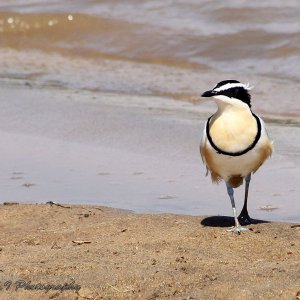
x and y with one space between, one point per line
230 92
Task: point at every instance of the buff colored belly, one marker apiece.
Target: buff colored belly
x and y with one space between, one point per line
233 132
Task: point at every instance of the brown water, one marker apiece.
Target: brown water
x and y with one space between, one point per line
167 47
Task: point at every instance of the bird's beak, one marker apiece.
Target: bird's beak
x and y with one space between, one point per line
208 94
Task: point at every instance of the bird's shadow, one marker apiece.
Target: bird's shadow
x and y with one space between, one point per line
224 221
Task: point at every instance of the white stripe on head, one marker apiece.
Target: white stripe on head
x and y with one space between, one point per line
228 86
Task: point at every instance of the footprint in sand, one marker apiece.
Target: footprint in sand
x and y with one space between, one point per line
103 174
137 173
28 184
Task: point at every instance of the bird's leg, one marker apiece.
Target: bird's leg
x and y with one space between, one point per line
237 228
244 217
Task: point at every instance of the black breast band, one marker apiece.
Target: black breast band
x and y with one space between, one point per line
220 151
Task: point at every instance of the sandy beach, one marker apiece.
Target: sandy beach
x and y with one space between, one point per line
93 252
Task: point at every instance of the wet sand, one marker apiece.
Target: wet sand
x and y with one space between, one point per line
101 253
132 152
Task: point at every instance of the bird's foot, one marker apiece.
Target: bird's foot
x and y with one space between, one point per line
245 219
238 229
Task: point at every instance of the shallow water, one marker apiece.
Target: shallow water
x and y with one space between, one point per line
155 47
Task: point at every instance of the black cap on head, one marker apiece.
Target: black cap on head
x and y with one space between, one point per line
232 89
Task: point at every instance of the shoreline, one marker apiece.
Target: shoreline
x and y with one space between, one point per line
103 253
213 220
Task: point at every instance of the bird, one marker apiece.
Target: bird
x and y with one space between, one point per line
234 143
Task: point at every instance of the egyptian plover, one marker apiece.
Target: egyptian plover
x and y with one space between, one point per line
235 142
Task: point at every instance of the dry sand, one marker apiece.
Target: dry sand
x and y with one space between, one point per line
103 253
